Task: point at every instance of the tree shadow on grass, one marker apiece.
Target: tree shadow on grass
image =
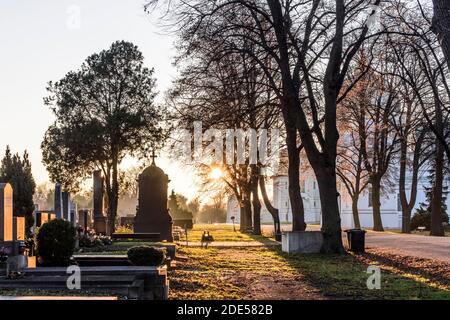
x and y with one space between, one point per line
345 277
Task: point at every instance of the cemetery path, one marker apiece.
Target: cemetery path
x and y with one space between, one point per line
412 245
254 273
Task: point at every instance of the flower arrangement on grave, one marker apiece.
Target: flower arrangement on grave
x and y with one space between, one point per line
90 239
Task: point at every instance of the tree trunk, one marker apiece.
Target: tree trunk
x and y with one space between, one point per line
437 229
243 216
246 213
331 220
376 203
441 25
256 203
407 207
273 211
406 214
256 212
113 201
355 212
298 211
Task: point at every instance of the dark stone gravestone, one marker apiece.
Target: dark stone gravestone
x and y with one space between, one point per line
99 218
152 213
58 201
83 219
72 213
66 206
37 219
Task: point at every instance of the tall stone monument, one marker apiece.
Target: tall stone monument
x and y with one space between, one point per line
99 218
66 205
6 212
58 201
73 209
152 212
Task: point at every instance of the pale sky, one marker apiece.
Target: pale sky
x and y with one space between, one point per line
43 40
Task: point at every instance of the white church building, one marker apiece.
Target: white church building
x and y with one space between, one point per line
391 213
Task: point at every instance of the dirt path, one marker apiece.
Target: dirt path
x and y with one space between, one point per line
237 273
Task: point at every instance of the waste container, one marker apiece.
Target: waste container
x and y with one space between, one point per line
356 240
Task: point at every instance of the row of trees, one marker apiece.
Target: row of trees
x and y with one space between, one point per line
370 73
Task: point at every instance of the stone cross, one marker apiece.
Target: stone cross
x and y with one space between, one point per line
153 156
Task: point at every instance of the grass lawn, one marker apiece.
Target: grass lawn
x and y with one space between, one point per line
264 273
267 273
223 232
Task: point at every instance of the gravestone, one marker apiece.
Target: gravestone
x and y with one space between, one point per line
72 213
152 212
83 219
65 205
58 201
6 212
99 218
19 229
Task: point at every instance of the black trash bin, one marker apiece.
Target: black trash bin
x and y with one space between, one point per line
356 240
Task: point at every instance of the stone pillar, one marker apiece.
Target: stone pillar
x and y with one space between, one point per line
58 201
73 213
6 212
83 219
37 219
36 208
66 205
99 218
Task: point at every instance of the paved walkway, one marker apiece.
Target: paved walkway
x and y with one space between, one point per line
407 244
411 245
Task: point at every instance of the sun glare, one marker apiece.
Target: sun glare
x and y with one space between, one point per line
216 173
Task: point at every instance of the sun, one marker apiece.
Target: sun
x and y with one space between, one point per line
216 173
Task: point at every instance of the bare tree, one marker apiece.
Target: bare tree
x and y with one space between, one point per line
441 25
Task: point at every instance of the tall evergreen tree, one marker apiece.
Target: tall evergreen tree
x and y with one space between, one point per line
422 217
17 171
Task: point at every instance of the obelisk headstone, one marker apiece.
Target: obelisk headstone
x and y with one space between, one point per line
58 201
66 205
6 212
73 213
99 218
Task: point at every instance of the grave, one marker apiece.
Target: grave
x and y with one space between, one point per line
143 283
152 213
12 231
6 213
19 229
99 218
58 208
84 219
65 205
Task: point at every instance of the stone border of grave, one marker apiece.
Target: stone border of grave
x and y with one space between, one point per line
136 283
302 241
